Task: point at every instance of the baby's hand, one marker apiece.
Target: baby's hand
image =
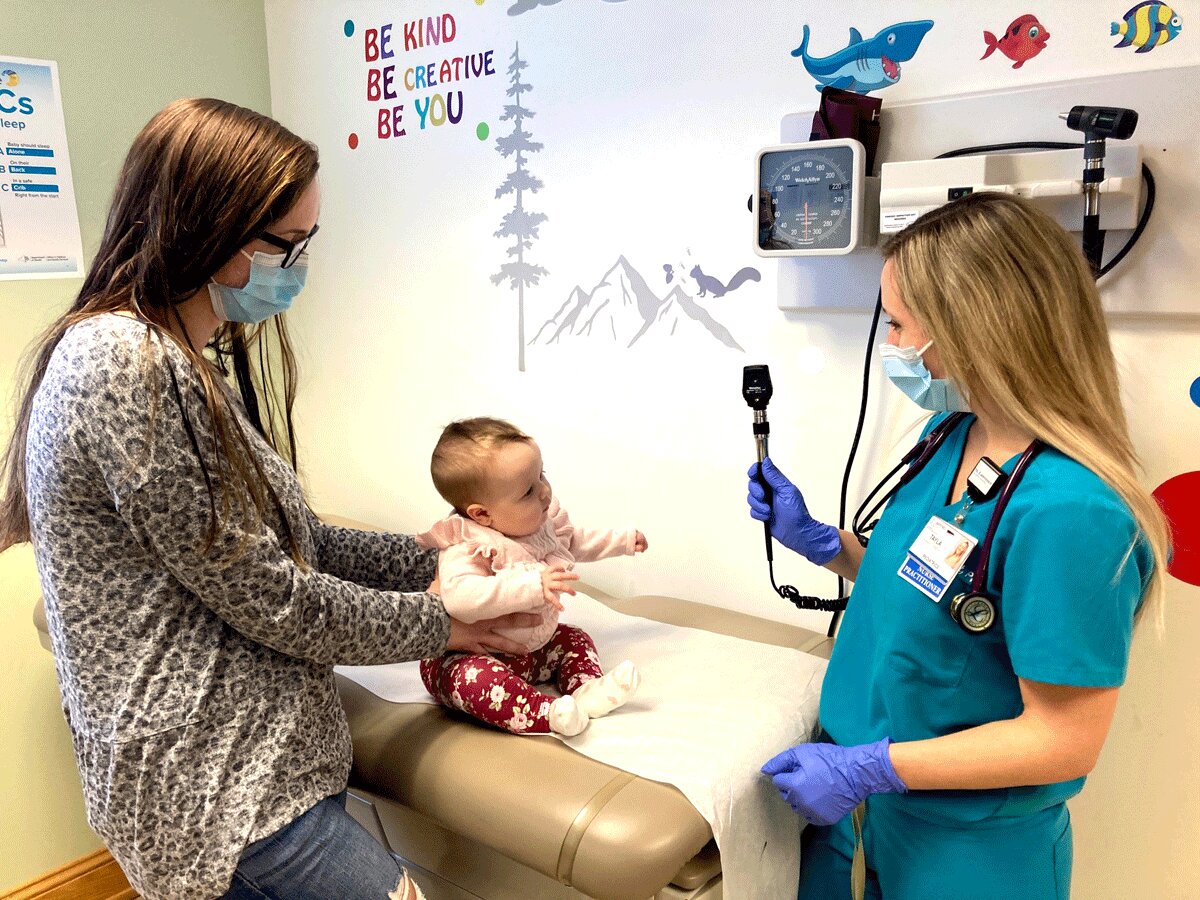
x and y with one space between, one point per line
640 543
557 581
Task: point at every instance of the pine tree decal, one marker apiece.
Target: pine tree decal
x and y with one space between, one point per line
520 224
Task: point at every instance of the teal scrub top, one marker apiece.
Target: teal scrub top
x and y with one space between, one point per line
1068 588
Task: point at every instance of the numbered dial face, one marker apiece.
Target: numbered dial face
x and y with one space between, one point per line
805 199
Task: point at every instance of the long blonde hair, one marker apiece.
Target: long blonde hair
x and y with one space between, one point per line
1008 299
202 179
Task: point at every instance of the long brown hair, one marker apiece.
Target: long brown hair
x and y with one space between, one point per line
1012 306
203 178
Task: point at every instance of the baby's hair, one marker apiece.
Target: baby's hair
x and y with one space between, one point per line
460 460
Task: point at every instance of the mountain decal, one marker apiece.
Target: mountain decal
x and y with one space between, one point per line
623 309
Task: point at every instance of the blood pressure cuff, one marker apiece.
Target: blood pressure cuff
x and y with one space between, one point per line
845 114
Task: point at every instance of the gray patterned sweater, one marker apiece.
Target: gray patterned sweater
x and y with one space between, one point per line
198 687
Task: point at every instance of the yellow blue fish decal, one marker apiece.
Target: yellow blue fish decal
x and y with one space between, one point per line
1147 25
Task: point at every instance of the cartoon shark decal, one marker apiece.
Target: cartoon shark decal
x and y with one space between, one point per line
866 65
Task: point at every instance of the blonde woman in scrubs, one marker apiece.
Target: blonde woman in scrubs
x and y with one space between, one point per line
966 746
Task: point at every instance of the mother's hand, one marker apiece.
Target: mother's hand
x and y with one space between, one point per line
481 636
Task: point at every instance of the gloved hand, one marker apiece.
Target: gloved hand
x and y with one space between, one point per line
824 782
791 524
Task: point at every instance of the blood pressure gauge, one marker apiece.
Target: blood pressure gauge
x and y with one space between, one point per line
809 198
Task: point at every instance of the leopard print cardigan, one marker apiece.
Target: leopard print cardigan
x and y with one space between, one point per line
198 686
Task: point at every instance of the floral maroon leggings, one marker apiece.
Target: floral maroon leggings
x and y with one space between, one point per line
500 689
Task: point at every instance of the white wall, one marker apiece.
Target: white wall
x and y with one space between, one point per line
650 115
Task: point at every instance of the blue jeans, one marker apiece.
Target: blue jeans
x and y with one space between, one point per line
320 855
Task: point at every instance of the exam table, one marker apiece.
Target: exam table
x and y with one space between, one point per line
423 783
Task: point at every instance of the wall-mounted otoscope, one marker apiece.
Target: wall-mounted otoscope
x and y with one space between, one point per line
1098 123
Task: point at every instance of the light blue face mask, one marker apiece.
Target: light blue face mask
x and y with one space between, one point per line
907 371
270 290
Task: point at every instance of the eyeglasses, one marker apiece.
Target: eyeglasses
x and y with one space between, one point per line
291 250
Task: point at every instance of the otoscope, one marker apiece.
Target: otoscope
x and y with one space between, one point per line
756 389
1097 124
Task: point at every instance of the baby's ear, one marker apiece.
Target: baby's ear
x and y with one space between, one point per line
479 513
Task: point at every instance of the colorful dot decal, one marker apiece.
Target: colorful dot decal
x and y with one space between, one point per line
352 141
348 27
1195 392
482 131
1179 498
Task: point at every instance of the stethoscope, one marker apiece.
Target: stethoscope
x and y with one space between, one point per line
974 609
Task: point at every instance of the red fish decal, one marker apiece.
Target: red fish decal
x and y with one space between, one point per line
1024 39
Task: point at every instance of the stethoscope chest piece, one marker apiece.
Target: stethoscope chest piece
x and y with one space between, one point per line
975 613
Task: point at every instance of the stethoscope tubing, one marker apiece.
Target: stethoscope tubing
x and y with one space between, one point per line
916 459
979 578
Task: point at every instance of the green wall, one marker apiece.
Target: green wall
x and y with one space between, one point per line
119 62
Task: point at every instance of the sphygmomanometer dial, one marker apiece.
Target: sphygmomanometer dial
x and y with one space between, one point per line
808 198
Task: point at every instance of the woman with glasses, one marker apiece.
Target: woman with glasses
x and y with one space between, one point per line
196 605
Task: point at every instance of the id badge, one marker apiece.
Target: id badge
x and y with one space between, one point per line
936 557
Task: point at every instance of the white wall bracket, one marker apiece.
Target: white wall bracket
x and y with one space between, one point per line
916 132
1051 179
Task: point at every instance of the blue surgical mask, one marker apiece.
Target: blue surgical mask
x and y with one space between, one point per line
270 290
907 371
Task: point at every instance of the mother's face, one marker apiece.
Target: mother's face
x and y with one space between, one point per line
293 225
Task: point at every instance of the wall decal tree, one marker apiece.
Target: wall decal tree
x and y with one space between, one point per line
520 224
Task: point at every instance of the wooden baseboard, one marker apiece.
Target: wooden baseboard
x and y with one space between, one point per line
93 877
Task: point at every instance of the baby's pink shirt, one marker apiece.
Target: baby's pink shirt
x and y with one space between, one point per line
484 574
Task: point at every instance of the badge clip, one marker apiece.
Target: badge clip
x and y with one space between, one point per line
985 480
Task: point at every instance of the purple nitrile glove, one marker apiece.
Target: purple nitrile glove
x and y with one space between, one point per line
791 524
824 782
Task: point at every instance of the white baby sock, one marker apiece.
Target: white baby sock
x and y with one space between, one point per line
602 695
566 718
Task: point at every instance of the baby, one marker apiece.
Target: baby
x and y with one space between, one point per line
509 547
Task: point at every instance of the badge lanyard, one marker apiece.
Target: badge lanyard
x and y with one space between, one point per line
975 610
